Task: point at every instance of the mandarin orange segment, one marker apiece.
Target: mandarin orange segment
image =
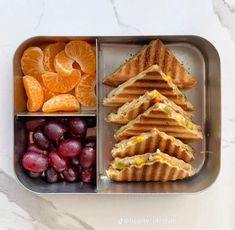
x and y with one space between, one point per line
47 93
49 55
32 62
63 102
83 53
61 84
63 64
34 92
85 90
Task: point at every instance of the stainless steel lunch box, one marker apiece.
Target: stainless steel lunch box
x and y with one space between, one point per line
197 54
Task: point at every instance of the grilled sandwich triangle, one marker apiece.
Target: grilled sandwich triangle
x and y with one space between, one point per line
149 167
149 142
164 118
130 110
154 53
148 80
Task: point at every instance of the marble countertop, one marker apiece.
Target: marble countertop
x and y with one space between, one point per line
213 208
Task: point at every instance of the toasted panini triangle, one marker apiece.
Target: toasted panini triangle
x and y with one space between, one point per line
154 53
148 80
165 119
149 167
149 142
130 110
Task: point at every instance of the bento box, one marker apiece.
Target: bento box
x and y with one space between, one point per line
197 54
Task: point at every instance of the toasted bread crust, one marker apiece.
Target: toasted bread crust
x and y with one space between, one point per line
148 80
157 117
151 141
154 53
159 170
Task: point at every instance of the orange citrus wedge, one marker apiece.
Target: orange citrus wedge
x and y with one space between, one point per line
63 64
32 62
47 93
34 92
85 90
49 55
63 102
57 83
83 53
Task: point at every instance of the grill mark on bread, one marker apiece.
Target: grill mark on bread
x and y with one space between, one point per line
155 53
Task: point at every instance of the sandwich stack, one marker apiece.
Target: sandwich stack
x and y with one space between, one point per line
152 143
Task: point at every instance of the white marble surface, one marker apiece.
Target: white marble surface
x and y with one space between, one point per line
211 209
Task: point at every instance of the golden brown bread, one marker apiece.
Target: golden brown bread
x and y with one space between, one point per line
165 119
130 110
154 53
149 142
148 80
162 168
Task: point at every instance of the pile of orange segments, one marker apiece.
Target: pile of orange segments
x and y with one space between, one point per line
60 77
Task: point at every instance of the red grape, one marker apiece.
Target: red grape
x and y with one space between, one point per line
34 148
87 157
88 175
52 176
35 174
35 162
54 130
70 175
78 126
32 123
69 148
74 160
91 122
40 140
90 142
59 163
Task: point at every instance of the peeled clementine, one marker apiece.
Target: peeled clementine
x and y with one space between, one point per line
61 84
63 64
85 90
34 92
83 53
49 55
32 62
63 102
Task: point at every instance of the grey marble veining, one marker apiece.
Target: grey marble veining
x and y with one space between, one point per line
121 24
226 15
42 212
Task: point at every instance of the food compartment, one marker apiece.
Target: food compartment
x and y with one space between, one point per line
38 61
197 55
56 154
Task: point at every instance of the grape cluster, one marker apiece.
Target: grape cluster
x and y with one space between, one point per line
59 150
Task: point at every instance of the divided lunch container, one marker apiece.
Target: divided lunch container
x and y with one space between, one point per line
197 54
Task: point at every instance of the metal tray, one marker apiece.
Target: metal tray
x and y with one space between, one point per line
202 60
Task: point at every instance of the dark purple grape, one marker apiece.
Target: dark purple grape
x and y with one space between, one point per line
34 148
87 157
61 176
62 120
59 163
41 140
70 175
52 176
69 148
78 126
54 130
74 160
91 122
88 175
35 174
90 142
32 123
35 162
